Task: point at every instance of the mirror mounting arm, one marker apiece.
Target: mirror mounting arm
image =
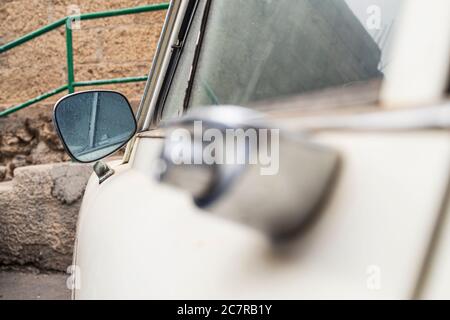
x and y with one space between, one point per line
103 171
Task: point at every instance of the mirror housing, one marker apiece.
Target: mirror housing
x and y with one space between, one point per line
94 124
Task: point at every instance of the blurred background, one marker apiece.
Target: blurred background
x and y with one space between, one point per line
40 192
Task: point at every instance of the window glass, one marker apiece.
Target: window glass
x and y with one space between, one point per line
256 50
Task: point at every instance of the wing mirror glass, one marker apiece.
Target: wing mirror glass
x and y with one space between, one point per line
94 124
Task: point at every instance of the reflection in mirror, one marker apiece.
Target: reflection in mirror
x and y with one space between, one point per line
94 124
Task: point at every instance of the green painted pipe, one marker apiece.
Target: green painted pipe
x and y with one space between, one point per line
75 85
109 81
121 12
69 49
32 35
46 95
86 16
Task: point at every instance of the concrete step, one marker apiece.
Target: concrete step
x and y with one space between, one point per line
30 286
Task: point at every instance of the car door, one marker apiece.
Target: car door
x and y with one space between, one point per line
373 234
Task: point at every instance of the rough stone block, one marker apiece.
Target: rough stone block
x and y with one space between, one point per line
38 214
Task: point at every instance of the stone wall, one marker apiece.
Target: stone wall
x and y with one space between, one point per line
28 139
113 47
107 48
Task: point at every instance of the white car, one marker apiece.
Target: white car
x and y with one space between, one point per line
354 200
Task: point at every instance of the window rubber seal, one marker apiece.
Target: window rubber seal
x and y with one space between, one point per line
197 53
176 55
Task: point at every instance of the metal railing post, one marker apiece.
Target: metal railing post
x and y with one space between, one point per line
69 48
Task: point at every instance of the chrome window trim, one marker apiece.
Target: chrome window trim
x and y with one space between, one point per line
152 111
145 109
157 61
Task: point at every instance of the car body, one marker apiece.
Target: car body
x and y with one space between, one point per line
381 232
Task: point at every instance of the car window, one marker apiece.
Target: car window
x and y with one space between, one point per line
255 50
174 101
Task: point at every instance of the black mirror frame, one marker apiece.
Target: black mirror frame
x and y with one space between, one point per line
66 148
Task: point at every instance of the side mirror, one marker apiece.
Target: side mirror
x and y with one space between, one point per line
94 124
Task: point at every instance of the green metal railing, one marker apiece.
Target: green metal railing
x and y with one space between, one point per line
67 22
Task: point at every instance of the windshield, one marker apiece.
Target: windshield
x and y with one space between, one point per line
256 50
